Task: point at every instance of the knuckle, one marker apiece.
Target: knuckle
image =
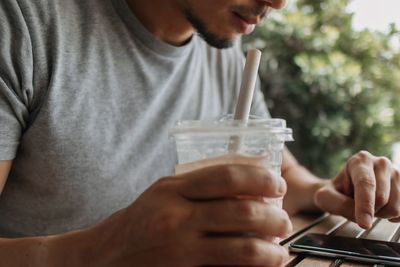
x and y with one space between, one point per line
365 182
270 180
226 177
360 157
381 199
266 176
164 222
251 250
366 206
354 160
383 162
266 180
363 154
285 225
284 184
396 175
247 210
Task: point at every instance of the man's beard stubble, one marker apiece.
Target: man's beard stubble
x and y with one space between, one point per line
211 38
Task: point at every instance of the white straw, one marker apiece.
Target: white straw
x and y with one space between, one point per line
248 83
246 93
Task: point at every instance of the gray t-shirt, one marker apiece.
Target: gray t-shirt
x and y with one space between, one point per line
87 95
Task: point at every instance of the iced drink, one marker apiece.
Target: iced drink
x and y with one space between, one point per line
259 142
259 161
205 143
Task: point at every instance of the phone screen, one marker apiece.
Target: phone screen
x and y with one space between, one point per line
347 246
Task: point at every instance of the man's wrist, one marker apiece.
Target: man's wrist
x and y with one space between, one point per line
103 244
70 249
302 186
46 251
98 246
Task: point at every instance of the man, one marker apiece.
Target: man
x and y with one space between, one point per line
88 90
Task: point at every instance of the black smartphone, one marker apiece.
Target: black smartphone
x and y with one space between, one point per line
356 249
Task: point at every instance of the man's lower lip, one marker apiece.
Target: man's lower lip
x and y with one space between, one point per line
243 26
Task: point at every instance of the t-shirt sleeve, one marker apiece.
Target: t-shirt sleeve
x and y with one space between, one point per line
15 77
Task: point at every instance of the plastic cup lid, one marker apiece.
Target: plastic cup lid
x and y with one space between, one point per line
227 126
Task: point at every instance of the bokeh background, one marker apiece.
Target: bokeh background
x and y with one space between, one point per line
336 82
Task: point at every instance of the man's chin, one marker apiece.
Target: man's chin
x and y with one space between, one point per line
222 44
218 42
213 39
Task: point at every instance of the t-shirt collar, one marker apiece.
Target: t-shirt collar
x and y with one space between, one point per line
146 37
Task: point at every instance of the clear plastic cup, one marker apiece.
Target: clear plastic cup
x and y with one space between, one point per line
259 142
206 143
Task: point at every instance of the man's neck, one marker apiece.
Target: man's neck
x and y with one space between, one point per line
163 18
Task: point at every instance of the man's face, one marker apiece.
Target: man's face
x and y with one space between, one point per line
220 21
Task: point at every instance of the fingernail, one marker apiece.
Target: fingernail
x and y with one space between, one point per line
366 218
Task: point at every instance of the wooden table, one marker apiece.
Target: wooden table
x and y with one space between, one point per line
336 225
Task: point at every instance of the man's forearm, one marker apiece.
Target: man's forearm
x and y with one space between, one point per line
95 246
23 251
71 249
302 185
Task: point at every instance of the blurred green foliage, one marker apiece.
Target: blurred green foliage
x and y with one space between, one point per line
338 88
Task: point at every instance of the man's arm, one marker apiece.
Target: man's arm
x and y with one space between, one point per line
5 166
168 225
61 250
302 185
